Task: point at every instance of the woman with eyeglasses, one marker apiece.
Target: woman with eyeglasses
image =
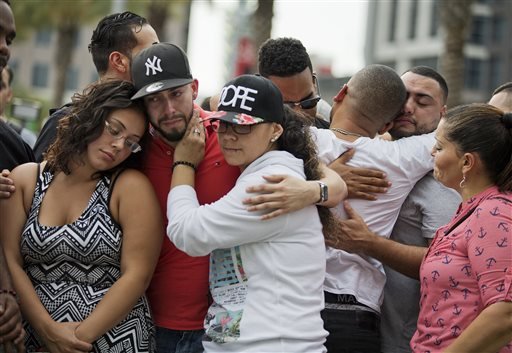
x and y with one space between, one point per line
81 232
266 276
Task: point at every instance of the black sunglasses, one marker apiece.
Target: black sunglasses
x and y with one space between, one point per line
308 103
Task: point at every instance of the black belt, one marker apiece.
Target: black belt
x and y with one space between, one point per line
341 299
348 306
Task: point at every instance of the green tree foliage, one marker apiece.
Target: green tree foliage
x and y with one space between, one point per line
64 16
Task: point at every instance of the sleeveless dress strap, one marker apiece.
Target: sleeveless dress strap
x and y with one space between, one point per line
112 184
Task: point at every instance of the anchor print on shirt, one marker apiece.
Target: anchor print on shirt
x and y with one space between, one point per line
500 287
502 243
455 330
465 293
466 269
447 259
490 262
453 282
446 294
495 211
503 226
453 254
440 322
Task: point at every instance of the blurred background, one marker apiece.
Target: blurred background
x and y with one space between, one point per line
469 42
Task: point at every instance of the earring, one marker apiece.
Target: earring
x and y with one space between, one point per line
462 183
273 139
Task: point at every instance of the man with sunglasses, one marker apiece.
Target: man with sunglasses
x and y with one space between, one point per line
286 63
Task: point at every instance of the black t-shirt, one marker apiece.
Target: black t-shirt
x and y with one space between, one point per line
48 133
13 150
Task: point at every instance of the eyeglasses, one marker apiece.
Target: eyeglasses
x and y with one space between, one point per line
222 127
310 102
115 131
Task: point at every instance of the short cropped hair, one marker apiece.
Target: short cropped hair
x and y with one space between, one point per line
283 57
433 74
379 93
114 33
506 87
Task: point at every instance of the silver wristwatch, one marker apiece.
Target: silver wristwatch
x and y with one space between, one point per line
324 192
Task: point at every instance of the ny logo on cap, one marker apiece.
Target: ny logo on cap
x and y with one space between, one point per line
239 93
153 65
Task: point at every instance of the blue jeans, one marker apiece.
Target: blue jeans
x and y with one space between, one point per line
173 341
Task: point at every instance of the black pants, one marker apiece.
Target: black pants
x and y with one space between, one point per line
352 330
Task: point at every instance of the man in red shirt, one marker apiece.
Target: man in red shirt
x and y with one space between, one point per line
178 293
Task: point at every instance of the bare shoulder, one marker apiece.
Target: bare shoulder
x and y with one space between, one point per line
24 173
24 177
132 179
134 193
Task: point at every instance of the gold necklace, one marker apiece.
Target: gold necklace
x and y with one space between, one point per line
345 132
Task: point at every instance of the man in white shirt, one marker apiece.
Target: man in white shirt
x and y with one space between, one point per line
354 284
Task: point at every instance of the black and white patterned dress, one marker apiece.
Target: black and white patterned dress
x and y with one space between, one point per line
73 266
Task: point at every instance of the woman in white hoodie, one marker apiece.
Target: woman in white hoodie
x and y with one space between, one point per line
266 277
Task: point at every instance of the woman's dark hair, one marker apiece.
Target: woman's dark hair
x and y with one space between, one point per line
85 122
296 139
486 130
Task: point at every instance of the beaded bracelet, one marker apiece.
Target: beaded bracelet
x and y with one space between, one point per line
189 164
9 291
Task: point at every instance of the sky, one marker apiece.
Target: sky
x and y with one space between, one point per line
329 29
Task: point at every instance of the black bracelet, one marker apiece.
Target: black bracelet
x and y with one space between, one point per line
189 164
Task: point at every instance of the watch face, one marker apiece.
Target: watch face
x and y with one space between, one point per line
323 192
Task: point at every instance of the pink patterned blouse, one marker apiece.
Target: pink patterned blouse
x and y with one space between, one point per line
467 268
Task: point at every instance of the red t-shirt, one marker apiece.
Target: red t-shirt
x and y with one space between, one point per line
178 293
